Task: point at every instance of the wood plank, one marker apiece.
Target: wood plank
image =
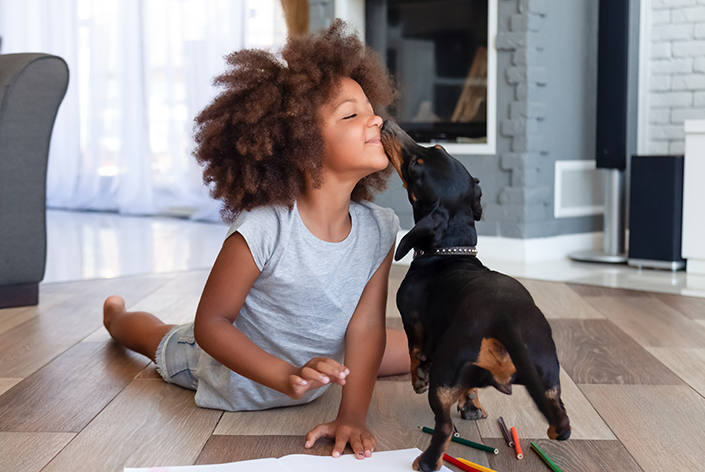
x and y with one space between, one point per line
600 291
519 410
687 363
150 424
572 455
650 322
7 384
224 449
221 449
70 391
598 352
557 300
396 413
290 421
30 452
692 307
174 303
13 317
31 345
660 426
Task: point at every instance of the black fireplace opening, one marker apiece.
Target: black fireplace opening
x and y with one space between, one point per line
436 51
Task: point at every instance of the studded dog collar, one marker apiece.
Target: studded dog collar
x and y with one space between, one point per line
448 251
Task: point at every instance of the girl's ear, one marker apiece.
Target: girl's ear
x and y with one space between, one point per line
426 234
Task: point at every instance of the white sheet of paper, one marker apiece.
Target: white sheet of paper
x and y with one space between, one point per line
387 461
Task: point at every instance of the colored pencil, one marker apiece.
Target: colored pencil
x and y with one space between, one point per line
505 432
517 446
459 464
479 467
545 458
465 442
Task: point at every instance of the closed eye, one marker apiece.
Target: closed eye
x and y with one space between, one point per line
350 116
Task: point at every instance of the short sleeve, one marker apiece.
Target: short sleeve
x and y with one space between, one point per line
382 224
261 229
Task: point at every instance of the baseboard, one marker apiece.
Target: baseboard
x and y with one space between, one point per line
527 250
19 295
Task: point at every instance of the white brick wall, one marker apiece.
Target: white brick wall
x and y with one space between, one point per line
677 72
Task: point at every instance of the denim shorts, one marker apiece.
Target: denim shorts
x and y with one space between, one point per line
177 357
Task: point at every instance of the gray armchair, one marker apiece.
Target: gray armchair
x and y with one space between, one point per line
32 87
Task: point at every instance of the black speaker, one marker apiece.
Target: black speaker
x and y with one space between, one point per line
656 212
613 84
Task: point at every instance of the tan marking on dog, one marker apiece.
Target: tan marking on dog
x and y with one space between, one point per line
393 149
495 358
472 395
552 394
415 363
448 395
414 352
438 146
419 161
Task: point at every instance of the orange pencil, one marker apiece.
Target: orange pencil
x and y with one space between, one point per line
517 446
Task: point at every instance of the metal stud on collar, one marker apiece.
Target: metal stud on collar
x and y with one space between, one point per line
448 251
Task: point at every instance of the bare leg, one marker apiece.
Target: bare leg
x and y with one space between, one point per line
136 330
396 354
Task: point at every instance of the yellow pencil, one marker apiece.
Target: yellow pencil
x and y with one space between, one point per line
479 467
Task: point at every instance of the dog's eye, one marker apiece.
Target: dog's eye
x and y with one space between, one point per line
350 116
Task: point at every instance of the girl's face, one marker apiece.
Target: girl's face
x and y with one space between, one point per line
351 134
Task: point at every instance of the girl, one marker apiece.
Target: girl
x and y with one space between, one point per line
293 150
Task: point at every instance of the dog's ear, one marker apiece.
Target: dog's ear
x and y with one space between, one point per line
476 205
426 233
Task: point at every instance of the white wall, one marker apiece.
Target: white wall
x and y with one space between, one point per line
676 73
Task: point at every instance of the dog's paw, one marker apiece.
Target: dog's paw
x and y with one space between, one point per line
421 463
471 412
420 386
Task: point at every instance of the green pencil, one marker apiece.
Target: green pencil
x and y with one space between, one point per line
465 442
545 458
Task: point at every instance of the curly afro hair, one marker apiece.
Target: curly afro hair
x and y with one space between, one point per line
261 136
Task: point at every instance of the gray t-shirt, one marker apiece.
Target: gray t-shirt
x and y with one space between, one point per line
300 305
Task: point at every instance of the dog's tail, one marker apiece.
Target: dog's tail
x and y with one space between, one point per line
526 371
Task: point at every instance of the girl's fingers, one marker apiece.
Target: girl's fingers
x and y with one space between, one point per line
368 443
320 431
340 442
335 371
311 374
296 380
357 447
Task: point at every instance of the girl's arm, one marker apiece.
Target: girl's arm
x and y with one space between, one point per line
364 348
233 275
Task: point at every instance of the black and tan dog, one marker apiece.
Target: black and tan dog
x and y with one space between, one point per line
468 327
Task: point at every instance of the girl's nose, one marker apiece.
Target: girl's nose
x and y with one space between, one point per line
376 121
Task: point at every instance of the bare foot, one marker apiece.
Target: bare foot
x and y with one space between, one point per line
113 306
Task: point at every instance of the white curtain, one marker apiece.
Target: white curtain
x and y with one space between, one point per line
141 70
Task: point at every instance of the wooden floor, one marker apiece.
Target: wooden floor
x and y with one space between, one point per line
71 400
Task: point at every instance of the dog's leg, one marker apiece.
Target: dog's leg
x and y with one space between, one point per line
420 364
561 429
441 400
469 406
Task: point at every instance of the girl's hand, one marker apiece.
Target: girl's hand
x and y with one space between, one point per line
316 373
361 440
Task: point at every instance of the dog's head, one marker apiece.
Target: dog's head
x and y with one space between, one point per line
445 197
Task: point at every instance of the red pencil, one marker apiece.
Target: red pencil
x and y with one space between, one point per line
517 446
459 464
